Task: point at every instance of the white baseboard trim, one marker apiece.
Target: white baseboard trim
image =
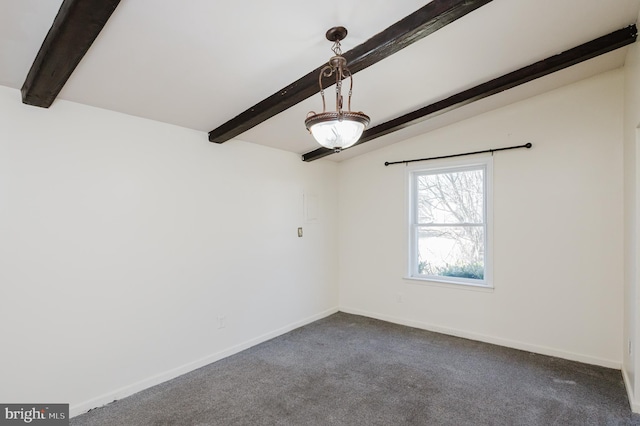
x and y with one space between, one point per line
543 350
83 407
635 405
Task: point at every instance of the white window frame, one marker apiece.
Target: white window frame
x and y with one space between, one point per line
447 166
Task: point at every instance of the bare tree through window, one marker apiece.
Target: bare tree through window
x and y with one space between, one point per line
450 222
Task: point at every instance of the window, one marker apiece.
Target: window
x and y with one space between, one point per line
449 224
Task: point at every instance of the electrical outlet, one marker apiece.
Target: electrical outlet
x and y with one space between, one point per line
222 321
299 232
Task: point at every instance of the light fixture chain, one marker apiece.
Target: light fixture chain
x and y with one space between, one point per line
339 94
347 74
336 48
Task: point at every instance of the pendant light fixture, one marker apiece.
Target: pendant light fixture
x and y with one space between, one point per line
337 129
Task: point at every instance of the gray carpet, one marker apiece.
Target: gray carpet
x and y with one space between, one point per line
351 370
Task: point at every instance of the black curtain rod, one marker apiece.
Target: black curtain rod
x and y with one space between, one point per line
527 145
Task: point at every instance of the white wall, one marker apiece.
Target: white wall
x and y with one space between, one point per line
558 232
122 241
631 237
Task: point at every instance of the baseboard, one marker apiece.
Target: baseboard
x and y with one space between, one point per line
635 405
83 407
543 350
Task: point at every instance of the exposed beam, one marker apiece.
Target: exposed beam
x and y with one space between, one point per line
531 72
408 30
74 29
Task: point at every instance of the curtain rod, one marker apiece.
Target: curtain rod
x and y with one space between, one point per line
527 145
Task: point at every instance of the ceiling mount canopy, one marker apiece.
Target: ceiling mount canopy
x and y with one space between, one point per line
337 129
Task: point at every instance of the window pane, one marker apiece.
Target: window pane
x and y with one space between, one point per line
451 197
451 251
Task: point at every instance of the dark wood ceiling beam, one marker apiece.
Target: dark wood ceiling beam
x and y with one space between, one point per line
74 29
410 29
539 69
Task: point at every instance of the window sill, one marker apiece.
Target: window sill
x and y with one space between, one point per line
451 284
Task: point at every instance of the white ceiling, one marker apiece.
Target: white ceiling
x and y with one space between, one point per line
199 63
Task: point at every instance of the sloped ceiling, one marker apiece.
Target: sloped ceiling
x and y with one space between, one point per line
198 63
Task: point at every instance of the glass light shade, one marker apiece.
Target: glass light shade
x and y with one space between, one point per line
337 131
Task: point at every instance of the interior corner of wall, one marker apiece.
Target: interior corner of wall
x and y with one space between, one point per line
633 403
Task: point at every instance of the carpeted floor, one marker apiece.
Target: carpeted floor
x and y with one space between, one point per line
351 370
